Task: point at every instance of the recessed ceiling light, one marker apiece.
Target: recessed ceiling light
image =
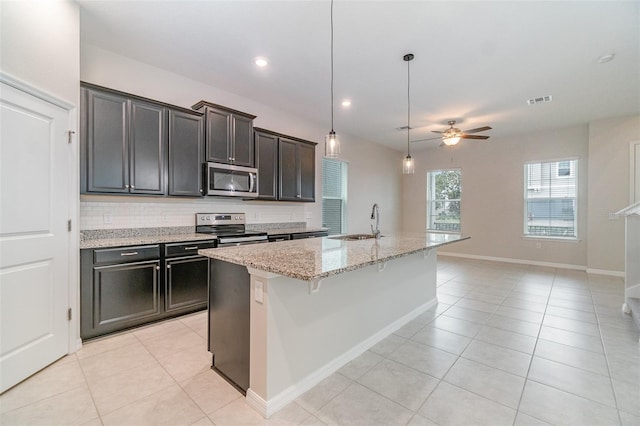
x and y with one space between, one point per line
346 103
606 58
261 62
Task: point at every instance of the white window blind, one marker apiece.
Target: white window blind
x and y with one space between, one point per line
551 197
444 192
334 195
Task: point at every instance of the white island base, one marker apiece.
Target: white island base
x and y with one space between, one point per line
301 334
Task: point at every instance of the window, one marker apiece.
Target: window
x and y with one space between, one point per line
334 196
443 200
551 199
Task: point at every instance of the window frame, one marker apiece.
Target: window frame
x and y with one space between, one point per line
343 197
429 201
554 174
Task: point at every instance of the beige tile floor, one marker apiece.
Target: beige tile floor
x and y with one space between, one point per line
507 344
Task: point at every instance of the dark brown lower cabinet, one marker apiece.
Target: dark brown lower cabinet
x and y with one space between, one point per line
122 287
186 283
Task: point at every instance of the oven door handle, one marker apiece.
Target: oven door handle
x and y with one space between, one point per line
242 240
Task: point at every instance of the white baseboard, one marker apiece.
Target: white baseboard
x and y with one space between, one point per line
268 408
518 261
536 263
605 272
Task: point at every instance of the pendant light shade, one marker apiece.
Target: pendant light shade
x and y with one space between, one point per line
408 165
331 145
331 141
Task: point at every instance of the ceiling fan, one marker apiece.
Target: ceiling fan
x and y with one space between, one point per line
452 135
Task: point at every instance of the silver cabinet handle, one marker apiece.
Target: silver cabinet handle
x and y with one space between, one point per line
191 248
126 186
133 186
131 253
168 266
157 268
298 196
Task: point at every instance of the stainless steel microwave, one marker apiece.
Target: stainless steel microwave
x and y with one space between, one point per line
231 181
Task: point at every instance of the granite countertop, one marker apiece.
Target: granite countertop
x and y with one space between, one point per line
284 231
104 238
317 258
142 240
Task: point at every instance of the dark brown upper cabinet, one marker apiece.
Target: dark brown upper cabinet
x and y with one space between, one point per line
186 153
228 135
123 147
286 167
266 147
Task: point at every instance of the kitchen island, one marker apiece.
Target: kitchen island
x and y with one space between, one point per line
317 304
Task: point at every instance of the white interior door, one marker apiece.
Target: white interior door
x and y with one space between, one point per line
34 241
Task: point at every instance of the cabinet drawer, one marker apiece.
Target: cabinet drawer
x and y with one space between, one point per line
191 247
126 254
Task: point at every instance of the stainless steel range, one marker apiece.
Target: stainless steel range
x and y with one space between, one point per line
229 228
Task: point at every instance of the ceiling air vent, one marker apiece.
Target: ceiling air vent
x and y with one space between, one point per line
540 100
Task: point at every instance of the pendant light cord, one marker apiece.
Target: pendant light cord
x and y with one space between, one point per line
332 65
408 108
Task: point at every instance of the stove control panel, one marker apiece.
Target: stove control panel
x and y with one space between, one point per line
220 219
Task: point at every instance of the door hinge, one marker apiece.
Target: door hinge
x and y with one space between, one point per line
69 225
69 314
70 133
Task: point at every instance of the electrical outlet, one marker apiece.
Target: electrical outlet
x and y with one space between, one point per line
259 291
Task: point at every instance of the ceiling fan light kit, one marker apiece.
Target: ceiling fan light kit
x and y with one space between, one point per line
332 141
408 164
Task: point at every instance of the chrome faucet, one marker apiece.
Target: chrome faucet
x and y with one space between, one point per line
375 214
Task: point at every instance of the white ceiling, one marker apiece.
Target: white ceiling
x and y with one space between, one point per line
477 62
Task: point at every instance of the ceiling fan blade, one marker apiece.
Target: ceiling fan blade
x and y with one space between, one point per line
479 129
424 140
464 136
437 131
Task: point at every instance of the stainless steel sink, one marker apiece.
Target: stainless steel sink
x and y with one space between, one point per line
354 237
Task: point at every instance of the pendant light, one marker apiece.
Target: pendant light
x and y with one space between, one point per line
331 141
408 165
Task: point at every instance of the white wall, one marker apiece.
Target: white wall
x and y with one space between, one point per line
609 181
492 193
492 205
374 175
41 45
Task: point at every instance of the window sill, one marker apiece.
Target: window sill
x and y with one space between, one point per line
555 239
437 231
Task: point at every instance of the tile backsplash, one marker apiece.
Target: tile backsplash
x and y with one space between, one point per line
97 212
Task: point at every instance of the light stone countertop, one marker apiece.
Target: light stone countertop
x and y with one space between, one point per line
284 231
142 240
317 258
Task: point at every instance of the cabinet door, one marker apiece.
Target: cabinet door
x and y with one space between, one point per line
218 136
120 296
307 156
105 145
242 140
147 146
185 154
266 147
186 284
288 174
